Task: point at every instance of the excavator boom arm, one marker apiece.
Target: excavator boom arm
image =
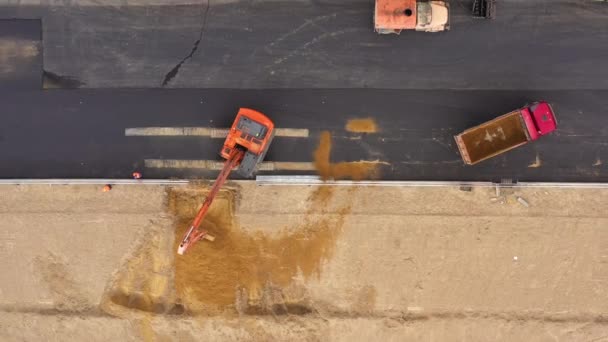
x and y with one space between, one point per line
194 233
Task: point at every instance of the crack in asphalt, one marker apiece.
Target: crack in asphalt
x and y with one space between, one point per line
53 80
175 70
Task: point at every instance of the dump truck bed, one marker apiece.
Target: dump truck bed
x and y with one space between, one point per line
493 137
391 15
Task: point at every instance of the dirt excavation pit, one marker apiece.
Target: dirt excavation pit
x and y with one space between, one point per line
145 282
248 274
237 273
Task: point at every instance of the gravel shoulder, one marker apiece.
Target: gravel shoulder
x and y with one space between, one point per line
304 263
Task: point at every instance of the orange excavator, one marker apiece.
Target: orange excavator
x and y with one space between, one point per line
245 146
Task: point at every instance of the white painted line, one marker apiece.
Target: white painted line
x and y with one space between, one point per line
219 133
292 132
216 165
294 166
183 164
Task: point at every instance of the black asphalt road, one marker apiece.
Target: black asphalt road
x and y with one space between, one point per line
536 44
307 64
80 133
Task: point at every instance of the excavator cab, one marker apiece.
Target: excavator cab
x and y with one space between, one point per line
433 16
252 132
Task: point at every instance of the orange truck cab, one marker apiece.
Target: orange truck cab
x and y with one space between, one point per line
392 16
251 132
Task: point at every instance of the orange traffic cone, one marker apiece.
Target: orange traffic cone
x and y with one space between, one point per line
106 188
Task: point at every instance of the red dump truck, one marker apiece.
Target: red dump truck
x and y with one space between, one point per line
506 132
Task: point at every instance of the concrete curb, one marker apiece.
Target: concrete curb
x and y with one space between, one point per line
92 181
314 180
302 181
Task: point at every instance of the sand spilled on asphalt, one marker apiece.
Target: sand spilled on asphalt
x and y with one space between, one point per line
344 170
209 278
367 125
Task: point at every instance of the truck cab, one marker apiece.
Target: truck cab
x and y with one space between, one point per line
539 119
393 16
432 16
